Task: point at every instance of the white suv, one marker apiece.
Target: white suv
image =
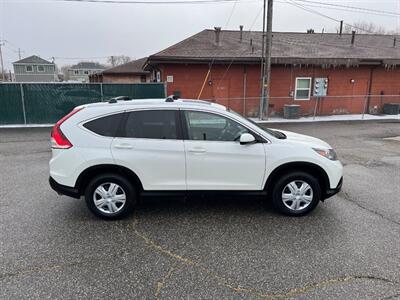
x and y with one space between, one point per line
114 152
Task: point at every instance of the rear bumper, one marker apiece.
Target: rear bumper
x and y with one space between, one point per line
330 192
64 190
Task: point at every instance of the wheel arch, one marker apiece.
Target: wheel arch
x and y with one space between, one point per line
86 175
307 167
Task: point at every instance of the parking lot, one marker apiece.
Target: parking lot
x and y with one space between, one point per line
349 247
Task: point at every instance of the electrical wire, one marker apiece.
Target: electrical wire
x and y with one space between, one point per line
313 11
350 10
233 59
75 58
150 2
377 11
209 68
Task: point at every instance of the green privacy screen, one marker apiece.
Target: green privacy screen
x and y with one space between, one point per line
45 103
11 110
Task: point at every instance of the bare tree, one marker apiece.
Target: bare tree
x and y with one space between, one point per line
394 32
64 70
7 76
118 60
364 27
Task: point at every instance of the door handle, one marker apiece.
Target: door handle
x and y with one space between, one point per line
123 146
197 150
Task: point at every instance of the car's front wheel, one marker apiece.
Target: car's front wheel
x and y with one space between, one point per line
110 196
296 193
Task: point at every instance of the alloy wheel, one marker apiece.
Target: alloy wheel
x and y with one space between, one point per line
297 195
109 198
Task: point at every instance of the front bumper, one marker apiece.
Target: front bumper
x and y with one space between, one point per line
330 192
64 190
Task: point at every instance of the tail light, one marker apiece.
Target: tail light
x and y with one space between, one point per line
58 139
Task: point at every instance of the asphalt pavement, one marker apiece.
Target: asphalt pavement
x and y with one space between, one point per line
349 248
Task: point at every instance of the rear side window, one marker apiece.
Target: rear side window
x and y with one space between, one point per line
151 124
105 126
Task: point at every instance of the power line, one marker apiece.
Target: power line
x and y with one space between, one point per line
9 48
350 10
233 59
150 2
74 58
377 11
313 11
212 62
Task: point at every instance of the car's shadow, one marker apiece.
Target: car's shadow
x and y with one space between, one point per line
205 204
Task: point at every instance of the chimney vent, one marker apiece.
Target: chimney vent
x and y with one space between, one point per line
241 33
217 31
353 36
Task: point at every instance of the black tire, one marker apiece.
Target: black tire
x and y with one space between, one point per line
124 187
296 176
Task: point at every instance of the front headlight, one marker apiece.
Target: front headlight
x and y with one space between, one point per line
328 153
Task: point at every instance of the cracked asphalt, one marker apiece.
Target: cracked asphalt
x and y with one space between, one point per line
348 248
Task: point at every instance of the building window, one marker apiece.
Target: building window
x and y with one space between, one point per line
29 68
76 72
143 78
86 72
303 88
40 68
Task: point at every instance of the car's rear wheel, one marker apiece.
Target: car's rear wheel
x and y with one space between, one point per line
110 196
296 193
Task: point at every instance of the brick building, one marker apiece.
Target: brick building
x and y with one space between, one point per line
360 70
131 72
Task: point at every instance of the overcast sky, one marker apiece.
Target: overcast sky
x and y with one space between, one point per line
91 31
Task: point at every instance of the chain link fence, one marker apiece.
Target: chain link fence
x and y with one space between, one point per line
358 105
45 103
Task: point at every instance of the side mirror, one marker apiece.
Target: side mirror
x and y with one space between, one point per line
247 138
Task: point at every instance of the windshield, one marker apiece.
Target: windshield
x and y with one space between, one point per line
274 133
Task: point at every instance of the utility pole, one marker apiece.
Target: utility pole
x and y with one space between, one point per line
262 62
267 68
1 61
53 60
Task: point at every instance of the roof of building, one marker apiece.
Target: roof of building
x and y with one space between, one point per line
34 59
88 65
132 67
287 48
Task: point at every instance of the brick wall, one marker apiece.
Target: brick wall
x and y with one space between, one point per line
123 78
347 87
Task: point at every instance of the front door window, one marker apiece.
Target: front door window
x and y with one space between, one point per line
211 127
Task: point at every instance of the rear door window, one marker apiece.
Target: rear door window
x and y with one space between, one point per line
151 124
105 126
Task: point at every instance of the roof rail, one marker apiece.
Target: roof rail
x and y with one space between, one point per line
171 98
115 99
